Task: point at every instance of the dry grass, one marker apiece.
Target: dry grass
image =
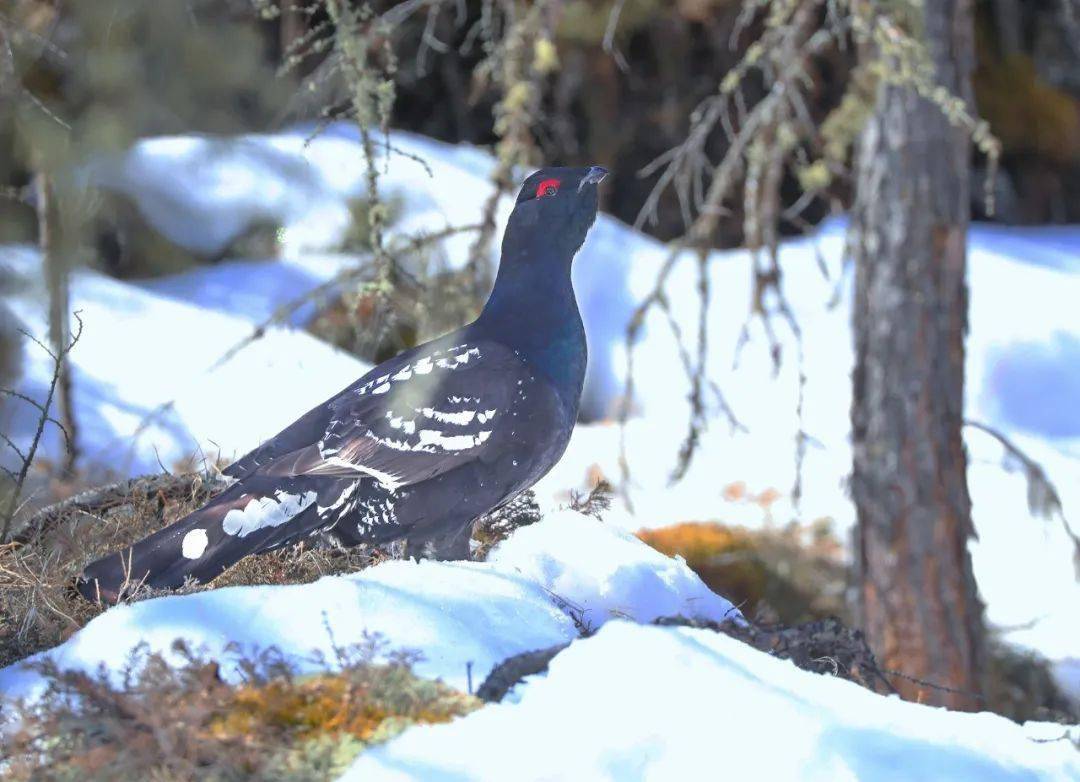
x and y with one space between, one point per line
39 607
179 722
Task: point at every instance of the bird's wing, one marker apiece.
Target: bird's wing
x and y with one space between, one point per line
424 416
311 427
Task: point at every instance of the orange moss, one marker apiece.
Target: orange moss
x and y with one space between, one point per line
722 556
332 704
794 574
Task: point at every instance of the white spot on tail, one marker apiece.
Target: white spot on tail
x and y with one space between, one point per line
194 544
264 512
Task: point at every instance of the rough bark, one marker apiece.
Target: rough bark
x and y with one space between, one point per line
921 610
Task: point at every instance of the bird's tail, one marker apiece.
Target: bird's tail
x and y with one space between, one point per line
242 520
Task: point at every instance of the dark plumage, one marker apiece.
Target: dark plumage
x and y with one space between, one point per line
424 443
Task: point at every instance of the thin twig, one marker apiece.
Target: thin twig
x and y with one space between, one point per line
609 35
1042 497
28 458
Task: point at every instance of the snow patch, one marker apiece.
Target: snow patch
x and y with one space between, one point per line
605 572
656 703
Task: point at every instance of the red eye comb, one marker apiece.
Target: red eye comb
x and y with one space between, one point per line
547 187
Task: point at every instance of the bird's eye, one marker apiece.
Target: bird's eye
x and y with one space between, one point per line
548 187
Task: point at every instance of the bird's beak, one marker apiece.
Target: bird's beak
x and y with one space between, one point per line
593 177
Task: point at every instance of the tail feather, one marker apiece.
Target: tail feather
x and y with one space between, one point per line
242 520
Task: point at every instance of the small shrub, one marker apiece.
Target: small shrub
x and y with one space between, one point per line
161 721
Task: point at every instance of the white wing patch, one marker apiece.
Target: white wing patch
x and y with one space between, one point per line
368 511
426 438
399 422
341 504
460 418
389 481
451 358
431 441
448 424
440 441
264 512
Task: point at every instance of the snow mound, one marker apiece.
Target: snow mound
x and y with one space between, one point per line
607 573
460 615
637 702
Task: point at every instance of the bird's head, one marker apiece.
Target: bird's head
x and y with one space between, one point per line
554 210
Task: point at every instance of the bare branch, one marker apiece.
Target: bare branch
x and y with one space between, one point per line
609 35
28 456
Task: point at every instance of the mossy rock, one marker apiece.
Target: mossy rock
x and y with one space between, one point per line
127 246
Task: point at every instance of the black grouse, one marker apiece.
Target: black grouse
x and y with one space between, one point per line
423 444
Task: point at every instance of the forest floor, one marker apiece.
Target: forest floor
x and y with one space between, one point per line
152 394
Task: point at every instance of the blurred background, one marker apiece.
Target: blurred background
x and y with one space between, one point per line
831 302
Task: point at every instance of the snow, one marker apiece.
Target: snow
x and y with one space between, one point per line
607 572
630 702
654 703
659 702
1023 363
459 615
140 350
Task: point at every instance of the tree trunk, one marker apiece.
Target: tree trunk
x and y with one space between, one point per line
920 606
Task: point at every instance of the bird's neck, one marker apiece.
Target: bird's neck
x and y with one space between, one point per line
532 309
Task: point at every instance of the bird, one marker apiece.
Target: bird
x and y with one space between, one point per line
422 445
